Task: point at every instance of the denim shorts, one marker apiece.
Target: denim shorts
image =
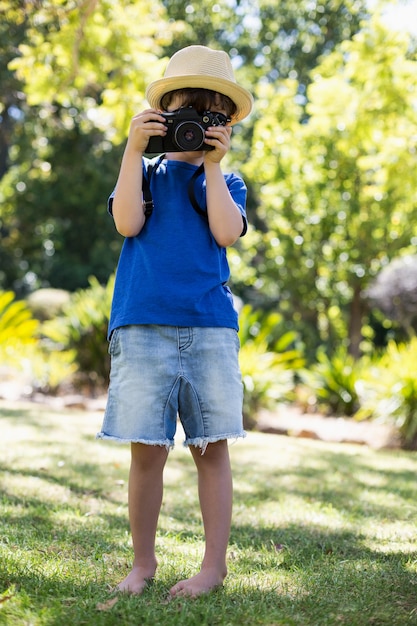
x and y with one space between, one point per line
160 373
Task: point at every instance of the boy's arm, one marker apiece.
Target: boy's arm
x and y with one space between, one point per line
225 219
127 208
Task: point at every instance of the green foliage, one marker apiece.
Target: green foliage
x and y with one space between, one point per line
271 39
69 235
42 368
82 327
17 325
98 57
336 189
23 356
74 74
379 387
267 363
388 391
328 154
332 380
51 369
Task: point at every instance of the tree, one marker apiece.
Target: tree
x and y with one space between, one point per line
268 40
97 55
337 189
12 32
56 230
77 77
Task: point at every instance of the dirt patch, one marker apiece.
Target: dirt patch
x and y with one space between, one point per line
289 420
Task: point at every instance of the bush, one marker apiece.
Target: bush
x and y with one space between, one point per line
22 355
46 370
332 381
267 364
82 327
16 322
388 392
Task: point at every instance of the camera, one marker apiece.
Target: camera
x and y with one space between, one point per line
185 131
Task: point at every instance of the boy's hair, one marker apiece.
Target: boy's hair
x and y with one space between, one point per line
200 99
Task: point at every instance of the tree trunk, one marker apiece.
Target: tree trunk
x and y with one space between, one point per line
355 323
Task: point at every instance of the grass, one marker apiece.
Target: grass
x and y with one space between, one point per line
322 534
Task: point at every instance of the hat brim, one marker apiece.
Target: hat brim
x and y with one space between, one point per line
240 96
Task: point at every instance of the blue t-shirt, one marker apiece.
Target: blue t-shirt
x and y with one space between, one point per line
173 272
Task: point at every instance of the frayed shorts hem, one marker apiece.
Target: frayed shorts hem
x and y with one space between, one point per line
166 443
198 442
202 442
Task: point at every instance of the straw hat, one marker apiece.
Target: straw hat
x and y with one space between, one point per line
201 67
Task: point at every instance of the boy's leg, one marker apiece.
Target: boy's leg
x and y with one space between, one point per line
145 499
216 494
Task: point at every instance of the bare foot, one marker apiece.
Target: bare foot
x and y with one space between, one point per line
136 581
203 582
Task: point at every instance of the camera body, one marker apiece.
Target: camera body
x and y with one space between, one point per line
185 131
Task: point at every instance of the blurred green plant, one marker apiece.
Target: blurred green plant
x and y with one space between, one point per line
16 322
82 327
388 391
331 382
267 363
47 370
23 356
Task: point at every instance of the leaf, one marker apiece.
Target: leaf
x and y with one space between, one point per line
16 322
7 595
107 605
5 598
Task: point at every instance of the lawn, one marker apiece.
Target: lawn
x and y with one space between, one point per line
323 534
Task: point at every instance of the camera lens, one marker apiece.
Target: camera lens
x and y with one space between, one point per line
189 136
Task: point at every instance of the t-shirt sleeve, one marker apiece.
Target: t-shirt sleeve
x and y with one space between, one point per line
110 199
238 191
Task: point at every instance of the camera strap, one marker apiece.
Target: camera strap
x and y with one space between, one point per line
191 192
148 204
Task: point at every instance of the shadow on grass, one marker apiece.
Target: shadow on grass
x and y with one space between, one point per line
281 572
352 585
353 484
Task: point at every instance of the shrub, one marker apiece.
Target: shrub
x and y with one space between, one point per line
332 380
17 332
389 391
22 355
267 364
16 322
45 369
82 327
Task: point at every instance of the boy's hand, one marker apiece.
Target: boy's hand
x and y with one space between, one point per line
219 137
143 126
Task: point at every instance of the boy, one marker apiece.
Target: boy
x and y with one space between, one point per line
173 328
